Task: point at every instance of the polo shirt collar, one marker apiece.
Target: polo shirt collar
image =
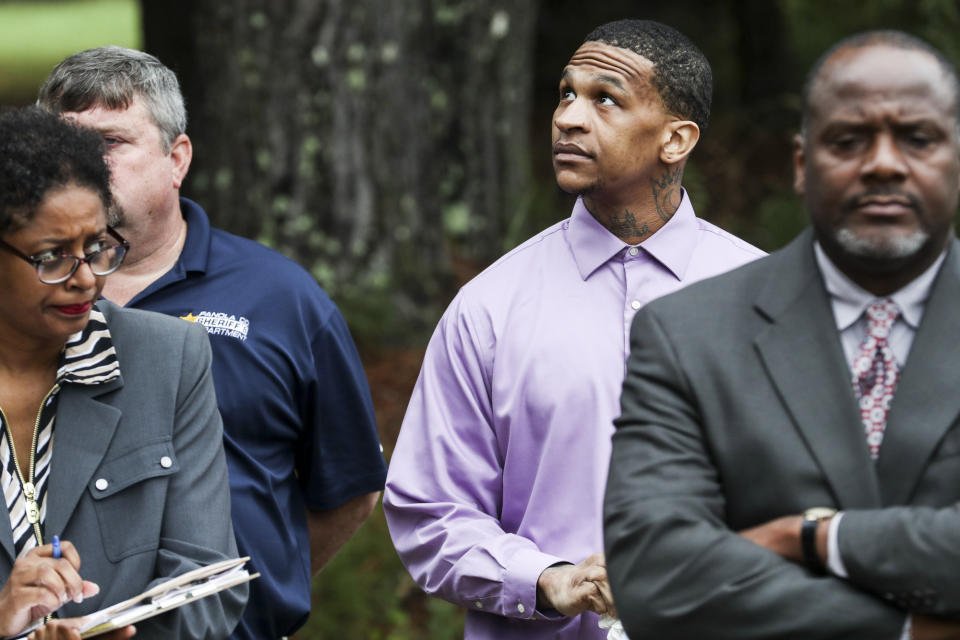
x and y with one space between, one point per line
196 247
672 245
194 255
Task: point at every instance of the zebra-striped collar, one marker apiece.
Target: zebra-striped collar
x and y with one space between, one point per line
89 356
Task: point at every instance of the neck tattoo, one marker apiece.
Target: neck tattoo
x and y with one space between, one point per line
666 192
627 226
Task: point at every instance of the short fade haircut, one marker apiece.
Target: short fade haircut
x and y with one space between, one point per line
112 77
681 73
40 153
881 37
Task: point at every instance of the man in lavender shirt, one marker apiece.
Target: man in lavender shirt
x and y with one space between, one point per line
495 489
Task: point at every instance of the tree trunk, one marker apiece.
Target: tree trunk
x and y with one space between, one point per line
376 142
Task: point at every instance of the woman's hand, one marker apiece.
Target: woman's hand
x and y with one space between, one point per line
40 584
66 629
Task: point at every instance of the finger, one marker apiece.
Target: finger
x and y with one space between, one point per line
604 587
36 600
56 576
45 575
596 559
588 596
69 553
594 574
596 603
72 582
58 630
90 589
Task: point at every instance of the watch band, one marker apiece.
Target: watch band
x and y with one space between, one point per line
808 537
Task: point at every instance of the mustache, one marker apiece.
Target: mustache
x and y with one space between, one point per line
884 196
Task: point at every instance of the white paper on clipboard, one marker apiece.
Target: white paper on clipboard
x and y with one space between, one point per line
169 595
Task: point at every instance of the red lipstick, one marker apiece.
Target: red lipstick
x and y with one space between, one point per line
74 309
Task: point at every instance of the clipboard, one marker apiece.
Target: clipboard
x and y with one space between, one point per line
167 596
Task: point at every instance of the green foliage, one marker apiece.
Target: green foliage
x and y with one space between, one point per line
816 24
778 220
366 593
696 185
35 35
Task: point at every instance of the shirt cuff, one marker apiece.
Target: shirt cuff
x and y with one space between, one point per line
834 561
520 586
836 567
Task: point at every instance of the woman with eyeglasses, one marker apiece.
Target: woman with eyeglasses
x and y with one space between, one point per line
109 434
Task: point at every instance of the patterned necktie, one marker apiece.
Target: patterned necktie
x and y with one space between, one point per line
875 372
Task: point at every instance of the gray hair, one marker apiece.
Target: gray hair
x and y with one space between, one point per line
112 77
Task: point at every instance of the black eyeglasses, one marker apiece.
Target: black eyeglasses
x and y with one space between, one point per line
54 267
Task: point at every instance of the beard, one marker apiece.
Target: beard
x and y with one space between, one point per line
881 247
881 244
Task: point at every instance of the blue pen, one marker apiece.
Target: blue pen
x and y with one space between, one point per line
56 546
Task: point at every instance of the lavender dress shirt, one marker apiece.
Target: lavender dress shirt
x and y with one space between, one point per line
500 467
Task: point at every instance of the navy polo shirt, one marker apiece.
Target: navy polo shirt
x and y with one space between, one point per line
299 428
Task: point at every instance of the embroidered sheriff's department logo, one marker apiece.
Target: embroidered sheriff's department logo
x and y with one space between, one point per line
220 324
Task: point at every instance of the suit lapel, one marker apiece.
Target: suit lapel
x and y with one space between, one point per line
926 403
6 539
84 429
803 356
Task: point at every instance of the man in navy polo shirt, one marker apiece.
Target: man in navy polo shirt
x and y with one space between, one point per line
305 463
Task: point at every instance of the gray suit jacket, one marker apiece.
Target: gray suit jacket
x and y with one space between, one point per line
151 522
737 408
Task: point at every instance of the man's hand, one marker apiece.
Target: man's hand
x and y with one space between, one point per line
572 589
782 536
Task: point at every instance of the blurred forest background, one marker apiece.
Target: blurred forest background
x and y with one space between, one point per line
396 147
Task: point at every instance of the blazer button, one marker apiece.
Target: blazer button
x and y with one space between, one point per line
101 484
166 462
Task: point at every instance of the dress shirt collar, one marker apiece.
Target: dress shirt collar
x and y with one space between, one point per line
672 245
850 299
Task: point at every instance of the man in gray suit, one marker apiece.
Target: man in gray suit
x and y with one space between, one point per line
788 464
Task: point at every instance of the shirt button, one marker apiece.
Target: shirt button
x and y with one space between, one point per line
633 251
166 462
635 304
521 608
478 604
101 484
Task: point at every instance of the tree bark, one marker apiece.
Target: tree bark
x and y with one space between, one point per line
376 142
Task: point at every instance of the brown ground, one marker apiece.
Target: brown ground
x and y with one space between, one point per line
392 372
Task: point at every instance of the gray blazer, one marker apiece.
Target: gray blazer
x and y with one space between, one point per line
737 408
150 522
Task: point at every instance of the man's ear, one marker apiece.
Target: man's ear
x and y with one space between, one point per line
679 139
181 152
799 164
